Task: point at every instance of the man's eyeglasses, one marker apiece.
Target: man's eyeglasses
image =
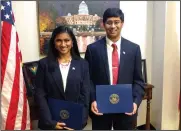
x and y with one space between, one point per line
109 23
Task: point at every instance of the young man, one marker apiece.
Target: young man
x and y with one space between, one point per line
115 60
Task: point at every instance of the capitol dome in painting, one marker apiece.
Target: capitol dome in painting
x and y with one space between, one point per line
87 27
83 9
82 18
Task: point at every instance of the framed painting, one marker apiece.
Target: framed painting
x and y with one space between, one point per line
83 17
29 72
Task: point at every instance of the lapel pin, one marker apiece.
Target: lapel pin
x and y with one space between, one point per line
73 68
124 52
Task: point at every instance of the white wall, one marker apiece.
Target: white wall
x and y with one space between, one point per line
171 75
25 13
146 23
157 61
135 29
135 22
165 70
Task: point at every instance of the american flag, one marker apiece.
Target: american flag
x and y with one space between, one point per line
15 114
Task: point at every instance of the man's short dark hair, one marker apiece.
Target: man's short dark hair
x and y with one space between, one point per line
113 12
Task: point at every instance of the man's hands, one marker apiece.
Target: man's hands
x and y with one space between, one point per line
134 110
94 108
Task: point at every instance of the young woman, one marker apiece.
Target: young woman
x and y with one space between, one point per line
63 75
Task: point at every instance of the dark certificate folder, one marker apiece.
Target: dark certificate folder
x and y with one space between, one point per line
68 112
114 98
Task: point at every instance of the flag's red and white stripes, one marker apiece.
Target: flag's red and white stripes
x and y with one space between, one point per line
14 105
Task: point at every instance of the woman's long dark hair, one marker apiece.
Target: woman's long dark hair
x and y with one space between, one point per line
53 53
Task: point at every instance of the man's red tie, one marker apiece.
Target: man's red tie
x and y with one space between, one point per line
115 64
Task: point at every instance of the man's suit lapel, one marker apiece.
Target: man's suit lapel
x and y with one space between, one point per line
122 57
103 50
56 74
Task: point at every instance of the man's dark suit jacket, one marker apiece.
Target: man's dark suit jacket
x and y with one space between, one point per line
49 84
130 69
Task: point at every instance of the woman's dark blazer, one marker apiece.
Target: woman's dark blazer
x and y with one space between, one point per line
49 84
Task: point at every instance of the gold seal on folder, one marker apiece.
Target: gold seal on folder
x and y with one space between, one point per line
64 114
114 98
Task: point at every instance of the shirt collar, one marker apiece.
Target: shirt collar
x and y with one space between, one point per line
109 42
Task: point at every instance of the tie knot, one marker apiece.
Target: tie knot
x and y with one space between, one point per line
114 46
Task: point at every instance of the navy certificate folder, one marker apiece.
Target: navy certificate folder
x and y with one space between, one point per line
68 112
114 98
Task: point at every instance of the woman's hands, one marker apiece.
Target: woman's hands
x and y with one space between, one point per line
60 125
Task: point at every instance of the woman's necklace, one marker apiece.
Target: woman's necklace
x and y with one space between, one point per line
65 65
